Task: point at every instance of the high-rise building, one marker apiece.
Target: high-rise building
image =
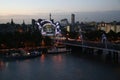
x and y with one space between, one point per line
12 22
50 16
33 22
72 18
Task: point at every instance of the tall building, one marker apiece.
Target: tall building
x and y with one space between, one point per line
33 22
12 22
72 18
50 16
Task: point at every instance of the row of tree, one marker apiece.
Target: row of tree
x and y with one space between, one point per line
26 39
94 35
97 35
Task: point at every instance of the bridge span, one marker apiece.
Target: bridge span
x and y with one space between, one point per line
109 50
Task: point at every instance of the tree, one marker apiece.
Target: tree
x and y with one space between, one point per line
112 36
94 35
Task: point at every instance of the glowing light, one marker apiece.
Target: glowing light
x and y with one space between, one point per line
28 53
48 28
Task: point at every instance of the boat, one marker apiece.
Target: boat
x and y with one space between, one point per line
58 50
20 55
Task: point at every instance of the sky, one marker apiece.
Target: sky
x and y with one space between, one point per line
27 9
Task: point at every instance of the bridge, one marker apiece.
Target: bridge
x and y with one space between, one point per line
109 50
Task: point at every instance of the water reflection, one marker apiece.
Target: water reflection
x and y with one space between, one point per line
57 67
2 65
58 62
57 59
42 58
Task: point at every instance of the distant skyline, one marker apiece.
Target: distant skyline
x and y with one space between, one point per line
28 9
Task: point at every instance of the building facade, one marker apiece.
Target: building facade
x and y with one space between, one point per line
114 26
72 18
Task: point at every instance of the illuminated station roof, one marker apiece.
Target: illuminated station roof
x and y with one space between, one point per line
48 28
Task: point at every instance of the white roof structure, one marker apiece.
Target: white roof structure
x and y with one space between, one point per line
48 28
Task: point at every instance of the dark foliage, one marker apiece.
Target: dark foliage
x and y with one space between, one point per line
17 39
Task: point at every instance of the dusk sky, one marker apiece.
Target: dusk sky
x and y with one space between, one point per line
27 9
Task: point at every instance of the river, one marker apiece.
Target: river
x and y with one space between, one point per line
58 67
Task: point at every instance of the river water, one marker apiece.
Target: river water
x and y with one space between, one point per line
58 67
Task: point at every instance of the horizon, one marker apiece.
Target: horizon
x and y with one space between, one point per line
106 16
19 10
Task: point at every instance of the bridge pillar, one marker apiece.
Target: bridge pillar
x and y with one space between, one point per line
88 51
115 57
77 50
100 52
108 56
84 50
68 47
91 51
